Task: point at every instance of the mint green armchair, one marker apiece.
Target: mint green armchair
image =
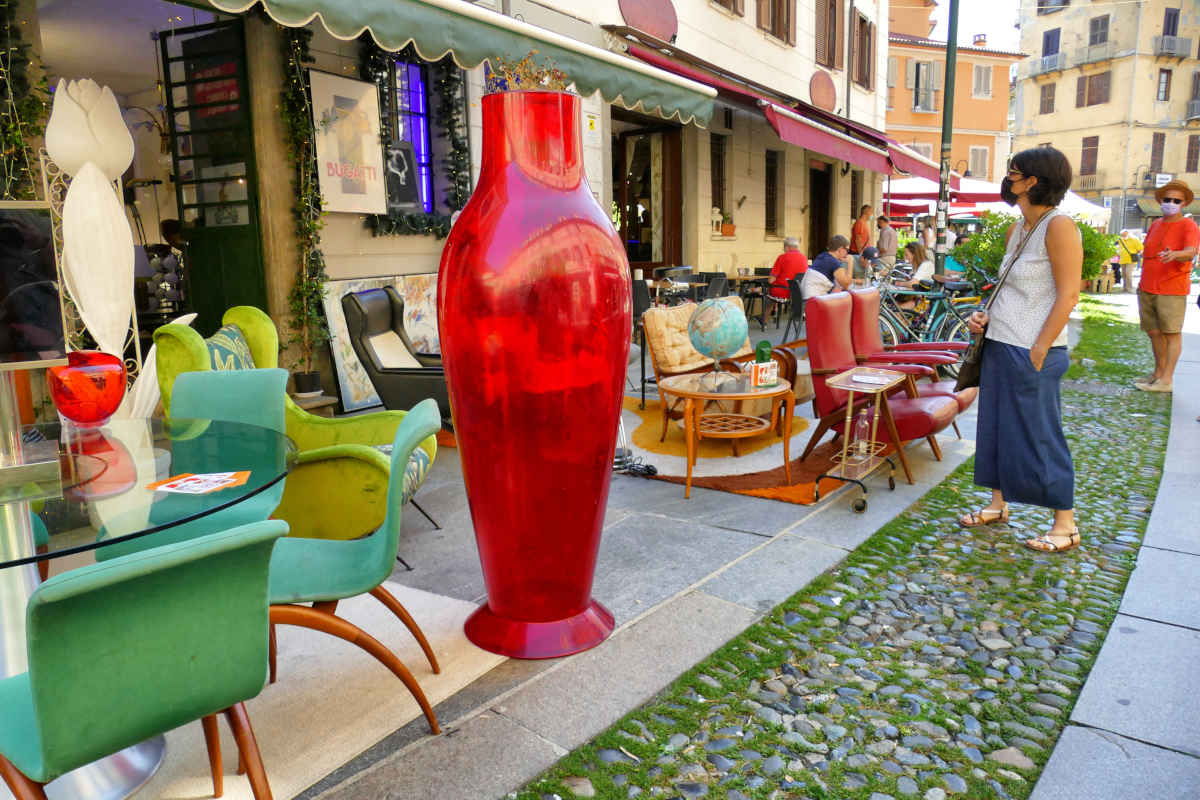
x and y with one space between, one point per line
338 489
136 646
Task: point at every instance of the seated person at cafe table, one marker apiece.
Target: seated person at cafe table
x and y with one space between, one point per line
914 253
790 263
831 270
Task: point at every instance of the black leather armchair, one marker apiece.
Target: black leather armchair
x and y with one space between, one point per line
401 376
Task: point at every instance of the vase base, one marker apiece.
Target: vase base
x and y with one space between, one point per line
532 640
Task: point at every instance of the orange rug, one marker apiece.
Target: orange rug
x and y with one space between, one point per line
772 483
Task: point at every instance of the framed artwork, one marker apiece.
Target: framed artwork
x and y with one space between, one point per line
420 323
31 311
349 152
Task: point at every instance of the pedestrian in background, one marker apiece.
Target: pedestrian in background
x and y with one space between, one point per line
887 242
1170 247
790 263
860 233
928 234
1021 453
1129 252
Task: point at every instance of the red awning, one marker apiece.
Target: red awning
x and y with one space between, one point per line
913 163
795 129
893 208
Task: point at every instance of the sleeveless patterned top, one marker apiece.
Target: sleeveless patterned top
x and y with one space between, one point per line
1024 302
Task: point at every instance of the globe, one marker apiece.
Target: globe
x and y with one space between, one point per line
717 328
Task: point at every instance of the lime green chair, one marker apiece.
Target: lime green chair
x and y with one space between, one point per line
338 489
322 571
136 646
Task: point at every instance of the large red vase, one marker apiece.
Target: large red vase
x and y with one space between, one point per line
534 317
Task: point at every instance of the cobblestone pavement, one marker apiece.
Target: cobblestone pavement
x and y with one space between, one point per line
934 661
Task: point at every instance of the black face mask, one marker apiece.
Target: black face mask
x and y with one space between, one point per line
1006 192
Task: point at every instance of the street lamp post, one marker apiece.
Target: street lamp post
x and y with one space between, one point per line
943 204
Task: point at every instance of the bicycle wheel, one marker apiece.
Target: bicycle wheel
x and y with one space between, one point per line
889 332
957 331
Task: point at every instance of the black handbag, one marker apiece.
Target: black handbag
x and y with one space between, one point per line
972 360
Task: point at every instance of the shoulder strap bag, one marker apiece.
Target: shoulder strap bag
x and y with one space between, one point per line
972 361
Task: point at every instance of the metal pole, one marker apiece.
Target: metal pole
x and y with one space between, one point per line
943 204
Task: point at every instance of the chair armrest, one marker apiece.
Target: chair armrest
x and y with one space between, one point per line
311 432
913 357
428 361
930 346
358 452
907 369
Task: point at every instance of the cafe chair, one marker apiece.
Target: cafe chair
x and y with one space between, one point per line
338 486
322 572
718 286
868 346
795 309
402 377
125 650
830 351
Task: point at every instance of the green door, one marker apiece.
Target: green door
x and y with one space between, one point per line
212 147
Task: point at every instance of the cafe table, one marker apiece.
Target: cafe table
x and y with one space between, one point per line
93 488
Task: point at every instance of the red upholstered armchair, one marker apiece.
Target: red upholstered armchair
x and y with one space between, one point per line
830 351
868 346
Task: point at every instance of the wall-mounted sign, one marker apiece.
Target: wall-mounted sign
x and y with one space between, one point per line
349 156
655 17
1162 179
821 91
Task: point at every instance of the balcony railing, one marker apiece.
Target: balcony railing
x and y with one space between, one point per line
1097 52
1088 183
1176 46
1050 63
1193 110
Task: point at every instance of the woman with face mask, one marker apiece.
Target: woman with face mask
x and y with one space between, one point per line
1021 452
1167 257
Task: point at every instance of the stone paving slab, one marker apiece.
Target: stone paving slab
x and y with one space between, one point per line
480 759
774 572
1173 525
593 690
1089 764
1165 587
1143 685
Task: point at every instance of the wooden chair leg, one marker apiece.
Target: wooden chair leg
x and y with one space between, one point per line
934 446
272 651
956 430
22 787
305 617
212 740
388 599
326 606
243 734
43 567
822 427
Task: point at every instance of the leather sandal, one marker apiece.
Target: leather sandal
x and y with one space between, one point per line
1045 543
984 516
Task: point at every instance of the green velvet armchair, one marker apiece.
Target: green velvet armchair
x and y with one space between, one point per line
338 489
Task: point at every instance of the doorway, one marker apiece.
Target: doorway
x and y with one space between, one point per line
647 190
820 187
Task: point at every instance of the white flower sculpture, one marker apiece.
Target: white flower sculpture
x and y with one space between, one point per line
87 138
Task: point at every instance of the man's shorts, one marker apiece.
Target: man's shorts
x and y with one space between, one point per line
1162 312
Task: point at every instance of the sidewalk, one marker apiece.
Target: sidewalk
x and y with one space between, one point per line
1135 731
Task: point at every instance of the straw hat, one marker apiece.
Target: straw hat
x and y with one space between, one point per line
1178 186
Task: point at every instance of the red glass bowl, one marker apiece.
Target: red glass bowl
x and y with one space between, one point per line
88 390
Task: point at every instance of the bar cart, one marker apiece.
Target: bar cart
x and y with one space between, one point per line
855 463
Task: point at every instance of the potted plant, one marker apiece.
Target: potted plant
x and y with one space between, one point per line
727 226
534 313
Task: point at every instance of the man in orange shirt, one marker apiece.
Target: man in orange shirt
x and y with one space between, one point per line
1170 247
860 233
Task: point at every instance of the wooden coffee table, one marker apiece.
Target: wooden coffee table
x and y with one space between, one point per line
698 389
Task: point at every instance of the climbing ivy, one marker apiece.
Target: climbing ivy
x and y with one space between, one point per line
23 109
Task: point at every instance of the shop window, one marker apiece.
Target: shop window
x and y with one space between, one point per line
979 162
1090 155
981 86
1047 99
1164 86
774 193
717 153
1157 145
1092 90
410 128
778 18
1193 154
863 68
1098 30
827 33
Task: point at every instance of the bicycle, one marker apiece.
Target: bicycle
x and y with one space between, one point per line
942 317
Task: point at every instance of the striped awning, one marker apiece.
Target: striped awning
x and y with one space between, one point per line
472 35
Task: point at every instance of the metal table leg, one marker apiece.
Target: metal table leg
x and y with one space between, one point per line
110 778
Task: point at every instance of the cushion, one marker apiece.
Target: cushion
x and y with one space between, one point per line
390 351
667 337
414 471
227 349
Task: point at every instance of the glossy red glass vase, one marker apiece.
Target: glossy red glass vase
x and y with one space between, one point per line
89 389
534 305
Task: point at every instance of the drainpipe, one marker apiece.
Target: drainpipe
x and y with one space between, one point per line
1129 118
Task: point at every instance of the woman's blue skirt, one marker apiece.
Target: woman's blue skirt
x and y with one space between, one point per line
1020 448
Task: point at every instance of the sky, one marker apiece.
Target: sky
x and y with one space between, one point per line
996 18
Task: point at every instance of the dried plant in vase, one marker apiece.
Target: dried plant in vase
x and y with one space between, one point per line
524 75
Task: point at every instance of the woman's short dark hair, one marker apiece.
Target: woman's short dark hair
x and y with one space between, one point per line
1050 167
838 242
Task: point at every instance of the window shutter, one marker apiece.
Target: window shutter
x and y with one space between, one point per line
790 5
1081 92
822 23
871 55
893 68
763 12
1102 89
839 35
910 74
739 7
937 69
